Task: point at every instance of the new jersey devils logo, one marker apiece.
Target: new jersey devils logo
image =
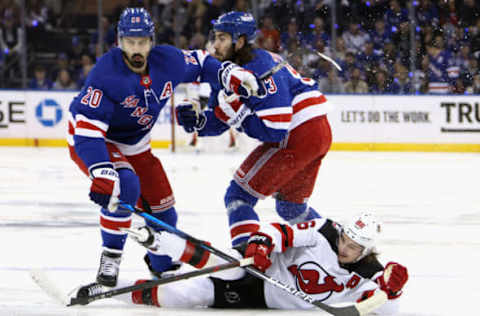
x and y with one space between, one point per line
312 279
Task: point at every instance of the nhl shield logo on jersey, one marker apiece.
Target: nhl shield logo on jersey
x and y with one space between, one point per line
146 81
312 279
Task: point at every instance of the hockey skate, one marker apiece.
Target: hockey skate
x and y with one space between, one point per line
80 295
107 274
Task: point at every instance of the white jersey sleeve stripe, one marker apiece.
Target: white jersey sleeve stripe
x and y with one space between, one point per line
101 125
274 111
88 133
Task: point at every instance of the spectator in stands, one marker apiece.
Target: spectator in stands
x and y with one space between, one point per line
40 80
291 35
369 59
340 50
439 61
62 62
395 15
317 32
401 42
476 84
37 14
356 84
401 81
87 65
355 38
312 60
108 38
382 83
380 34
268 43
64 81
389 57
459 87
332 83
11 45
468 13
349 63
269 31
241 6
427 13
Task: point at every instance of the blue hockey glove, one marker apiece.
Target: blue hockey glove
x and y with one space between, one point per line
189 118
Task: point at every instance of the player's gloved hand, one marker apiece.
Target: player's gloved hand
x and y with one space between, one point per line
144 235
240 81
260 246
105 188
231 112
188 118
393 279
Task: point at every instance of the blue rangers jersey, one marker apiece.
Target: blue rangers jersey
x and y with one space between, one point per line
291 100
120 106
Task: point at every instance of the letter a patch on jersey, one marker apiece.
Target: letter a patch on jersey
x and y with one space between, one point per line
167 90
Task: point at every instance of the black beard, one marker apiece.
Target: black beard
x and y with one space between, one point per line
133 63
229 55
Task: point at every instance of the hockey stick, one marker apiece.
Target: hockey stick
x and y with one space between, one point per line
50 288
329 59
153 283
357 309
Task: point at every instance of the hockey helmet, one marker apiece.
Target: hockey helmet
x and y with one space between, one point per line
364 229
135 22
236 24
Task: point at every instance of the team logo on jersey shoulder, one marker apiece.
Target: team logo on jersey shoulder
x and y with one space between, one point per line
312 279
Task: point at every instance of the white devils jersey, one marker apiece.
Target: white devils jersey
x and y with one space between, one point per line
305 256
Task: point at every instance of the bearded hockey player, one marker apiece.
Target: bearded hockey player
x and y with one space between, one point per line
291 123
110 123
329 262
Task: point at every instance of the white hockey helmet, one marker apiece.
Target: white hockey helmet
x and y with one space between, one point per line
364 229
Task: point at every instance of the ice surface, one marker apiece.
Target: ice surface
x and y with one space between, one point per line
429 203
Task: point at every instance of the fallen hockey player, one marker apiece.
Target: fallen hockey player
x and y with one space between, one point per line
332 263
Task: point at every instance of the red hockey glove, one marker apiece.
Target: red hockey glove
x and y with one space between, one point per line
393 279
240 81
260 247
231 112
105 188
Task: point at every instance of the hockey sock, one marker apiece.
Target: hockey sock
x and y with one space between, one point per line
242 220
110 224
295 212
160 262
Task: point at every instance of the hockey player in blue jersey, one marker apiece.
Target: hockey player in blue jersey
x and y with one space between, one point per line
290 122
110 123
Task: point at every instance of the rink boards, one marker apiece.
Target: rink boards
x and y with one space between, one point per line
359 122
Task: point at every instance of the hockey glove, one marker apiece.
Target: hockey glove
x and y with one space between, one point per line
260 246
240 81
144 235
105 188
188 118
231 112
393 279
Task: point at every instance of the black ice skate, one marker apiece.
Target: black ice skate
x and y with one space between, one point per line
107 274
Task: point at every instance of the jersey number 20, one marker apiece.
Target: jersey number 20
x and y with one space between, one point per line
92 98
